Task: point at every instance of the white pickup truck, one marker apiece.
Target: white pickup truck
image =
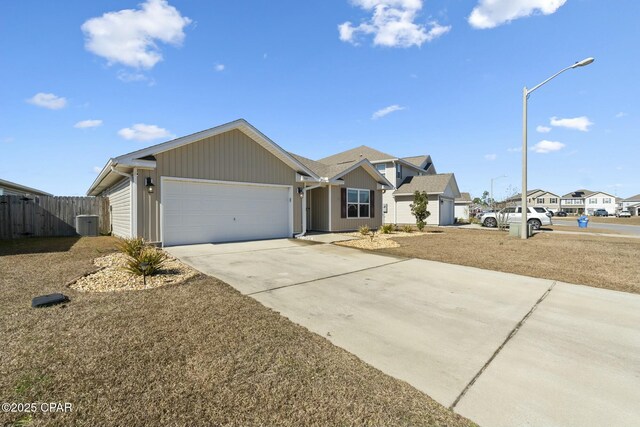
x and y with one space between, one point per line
536 216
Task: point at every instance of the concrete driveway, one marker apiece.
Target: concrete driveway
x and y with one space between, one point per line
498 348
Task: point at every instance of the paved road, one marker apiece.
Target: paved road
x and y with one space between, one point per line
501 349
620 228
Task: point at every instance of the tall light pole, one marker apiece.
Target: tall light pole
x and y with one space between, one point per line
493 203
525 96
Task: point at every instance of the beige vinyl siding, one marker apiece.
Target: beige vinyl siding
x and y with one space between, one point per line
404 210
230 156
120 206
319 204
358 178
11 192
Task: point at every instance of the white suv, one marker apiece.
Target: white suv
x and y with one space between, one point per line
536 216
624 213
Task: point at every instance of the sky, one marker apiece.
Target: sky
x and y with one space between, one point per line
84 81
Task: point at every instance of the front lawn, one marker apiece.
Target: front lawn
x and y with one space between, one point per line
190 354
604 262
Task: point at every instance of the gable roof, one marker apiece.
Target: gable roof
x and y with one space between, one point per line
578 194
529 194
357 154
416 160
333 172
632 198
140 158
430 184
464 198
22 188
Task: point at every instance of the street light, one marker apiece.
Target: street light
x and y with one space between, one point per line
525 96
493 203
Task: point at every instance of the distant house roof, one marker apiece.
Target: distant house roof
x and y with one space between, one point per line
416 160
22 189
464 198
357 154
430 184
336 171
529 193
578 194
633 198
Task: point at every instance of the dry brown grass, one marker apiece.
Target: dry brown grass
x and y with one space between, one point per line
604 262
193 354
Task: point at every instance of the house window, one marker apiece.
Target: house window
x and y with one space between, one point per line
540 200
606 200
593 201
398 170
553 200
382 168
357 203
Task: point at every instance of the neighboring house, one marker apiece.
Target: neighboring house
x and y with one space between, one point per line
441 190
463 205
8 188
632 204
587 202
232 183
401 171
538 198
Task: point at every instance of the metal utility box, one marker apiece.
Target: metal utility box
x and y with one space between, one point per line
515 227
87 225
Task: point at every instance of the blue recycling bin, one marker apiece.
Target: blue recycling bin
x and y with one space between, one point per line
583 221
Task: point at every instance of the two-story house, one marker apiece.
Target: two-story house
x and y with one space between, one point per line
632 204
538 198
587 202
407 175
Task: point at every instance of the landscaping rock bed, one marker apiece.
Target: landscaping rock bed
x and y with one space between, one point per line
379 241
111 276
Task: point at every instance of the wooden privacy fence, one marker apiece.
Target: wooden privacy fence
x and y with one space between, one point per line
29 216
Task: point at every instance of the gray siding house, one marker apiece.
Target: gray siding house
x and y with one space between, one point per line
8 188
232 183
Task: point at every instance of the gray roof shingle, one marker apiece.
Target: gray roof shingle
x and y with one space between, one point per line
430 184
464 197
355 155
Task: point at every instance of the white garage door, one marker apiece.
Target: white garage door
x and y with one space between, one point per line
214 211
447 216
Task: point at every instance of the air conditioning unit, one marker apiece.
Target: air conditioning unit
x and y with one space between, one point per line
87 225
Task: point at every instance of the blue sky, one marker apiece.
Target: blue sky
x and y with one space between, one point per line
93 81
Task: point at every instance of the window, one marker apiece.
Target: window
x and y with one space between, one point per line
398 170
382 168
540 200
553 200
540 210
593 201
509 210
606 200
357 203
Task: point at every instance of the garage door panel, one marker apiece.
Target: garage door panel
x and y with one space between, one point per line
200 211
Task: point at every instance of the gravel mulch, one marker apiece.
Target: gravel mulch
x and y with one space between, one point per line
111 275
379 241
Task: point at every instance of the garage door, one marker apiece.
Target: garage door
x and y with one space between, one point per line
447 216
213 211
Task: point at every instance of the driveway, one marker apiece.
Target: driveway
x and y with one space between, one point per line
500 349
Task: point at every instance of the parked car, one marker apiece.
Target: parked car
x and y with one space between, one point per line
624 213
561 213
536 216
600 212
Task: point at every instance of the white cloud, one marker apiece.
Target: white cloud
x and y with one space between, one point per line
384 111
492 13
97 169
621 114
392 24
581 123
48 100
543 129
142 132
490 157
544 146
219 67
130 36
84 124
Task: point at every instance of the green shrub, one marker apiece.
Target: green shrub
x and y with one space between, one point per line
386 229
153 257
407 228
131 247
364 230
419 208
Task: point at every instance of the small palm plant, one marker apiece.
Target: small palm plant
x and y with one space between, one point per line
142 258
